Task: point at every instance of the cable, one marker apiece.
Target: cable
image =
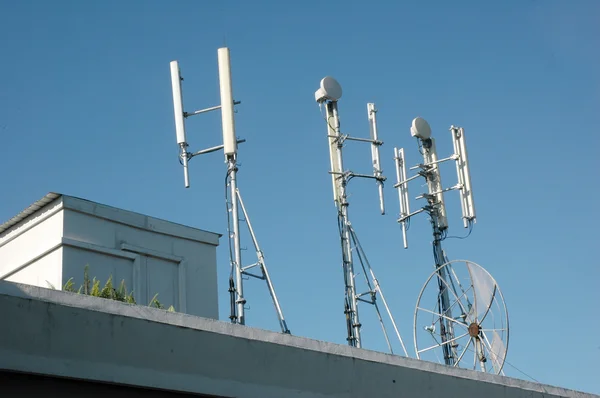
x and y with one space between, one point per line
509 364
419 146
462 237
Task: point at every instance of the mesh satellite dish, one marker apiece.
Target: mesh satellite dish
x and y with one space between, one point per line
473 332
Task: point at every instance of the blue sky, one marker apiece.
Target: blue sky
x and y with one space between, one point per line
86 110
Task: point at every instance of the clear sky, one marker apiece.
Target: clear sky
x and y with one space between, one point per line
86 110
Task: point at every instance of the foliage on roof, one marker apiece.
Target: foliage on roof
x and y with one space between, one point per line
91 287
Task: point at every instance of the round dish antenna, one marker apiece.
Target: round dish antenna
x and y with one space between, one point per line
330 88
420 128
473 333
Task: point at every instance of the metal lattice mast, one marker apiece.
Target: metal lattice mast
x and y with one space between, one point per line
353 254
234 199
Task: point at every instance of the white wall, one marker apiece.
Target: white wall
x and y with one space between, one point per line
183 272
152 256
36 240
47 271
61 334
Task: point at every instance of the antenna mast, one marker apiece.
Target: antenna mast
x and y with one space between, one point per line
234 200
450 289
328 95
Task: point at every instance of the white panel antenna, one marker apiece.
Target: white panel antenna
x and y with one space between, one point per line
464 175
229 139
472 297
328 94
234 199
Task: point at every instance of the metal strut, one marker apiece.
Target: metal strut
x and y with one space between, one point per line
236 290
263 267
375 289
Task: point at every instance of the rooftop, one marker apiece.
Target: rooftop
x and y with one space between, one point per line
69 335
114 214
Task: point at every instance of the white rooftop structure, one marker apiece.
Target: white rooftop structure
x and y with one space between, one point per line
56 237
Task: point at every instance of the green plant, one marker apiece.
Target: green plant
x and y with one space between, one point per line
91 287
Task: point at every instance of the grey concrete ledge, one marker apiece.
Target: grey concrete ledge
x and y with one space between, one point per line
64 334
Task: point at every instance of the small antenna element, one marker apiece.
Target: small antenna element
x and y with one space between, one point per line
329 93
234 198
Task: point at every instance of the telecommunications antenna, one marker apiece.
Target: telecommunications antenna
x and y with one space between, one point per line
233 196
479 319
455 293
328 95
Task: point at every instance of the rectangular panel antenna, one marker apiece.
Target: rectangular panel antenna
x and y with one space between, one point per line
178 103
464 175
402 190
228 123
375 143
333 136
179 118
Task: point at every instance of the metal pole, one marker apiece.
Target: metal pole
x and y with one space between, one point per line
446 327
235 235
342 206
439 223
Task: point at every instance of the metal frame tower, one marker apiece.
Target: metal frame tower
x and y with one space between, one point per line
449 286
234 198
436 209
328 95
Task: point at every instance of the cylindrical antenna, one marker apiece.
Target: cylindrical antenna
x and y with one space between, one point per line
179 119
178 103
377 172
229 139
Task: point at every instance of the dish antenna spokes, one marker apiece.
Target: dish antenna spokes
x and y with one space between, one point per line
449 288
234 198
480 321
328 95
